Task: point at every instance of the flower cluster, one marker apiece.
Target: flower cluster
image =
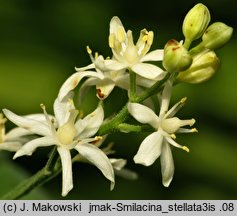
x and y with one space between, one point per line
133 68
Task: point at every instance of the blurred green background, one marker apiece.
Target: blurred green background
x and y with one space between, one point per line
42 41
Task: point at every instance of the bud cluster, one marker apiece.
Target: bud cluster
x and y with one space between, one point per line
199 63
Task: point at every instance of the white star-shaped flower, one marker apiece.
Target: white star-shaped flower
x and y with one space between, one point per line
157 144
66 133
127 55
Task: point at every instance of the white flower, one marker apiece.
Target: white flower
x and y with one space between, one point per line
166 125
66 133
104 81
126 55
12 140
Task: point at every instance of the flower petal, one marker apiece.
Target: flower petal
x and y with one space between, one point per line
156 55
166 95
118 164
116 26
66 161
31 146
73 81
88 126
88 67
10 146
114 65
16 133
32 125
104 88
143 114
97 157
148 71
62 108
167 164
149 150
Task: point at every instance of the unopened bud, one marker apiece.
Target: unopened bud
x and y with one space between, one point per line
196 22
176 57
216 35
204 65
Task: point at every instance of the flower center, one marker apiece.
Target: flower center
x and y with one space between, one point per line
67 131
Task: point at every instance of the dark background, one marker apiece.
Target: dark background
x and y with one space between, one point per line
40 44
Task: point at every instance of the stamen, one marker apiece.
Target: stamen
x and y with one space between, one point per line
185 148
175 108
194 130
111 40
89 51
173 136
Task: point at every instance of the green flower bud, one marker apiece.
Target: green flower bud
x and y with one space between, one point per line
196 22
176 57
204 65
216 35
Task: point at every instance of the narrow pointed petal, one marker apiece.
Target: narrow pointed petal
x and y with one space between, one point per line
114 65
156 55
97 157
16 133
62 108
149 150
31 146
167 164
73 81
66 161
88 67
166 95
148 71
115 25
122 81
88 126
118 164
10 146
34 126
143 114
104 88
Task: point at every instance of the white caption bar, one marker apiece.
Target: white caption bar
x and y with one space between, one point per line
118 207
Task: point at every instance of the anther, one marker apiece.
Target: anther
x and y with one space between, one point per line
185 148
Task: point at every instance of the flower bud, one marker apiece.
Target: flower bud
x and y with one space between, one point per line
196 22
204 65
216 35
176 57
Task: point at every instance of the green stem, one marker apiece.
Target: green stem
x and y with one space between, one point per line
127 128
37 179
133 95
111 125
187 44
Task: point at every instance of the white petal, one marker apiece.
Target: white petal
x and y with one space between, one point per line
143 114
167 164
62 108
31 146
32 125
156 55
122 81
97 157
166 95
147 70
88 126
114 65
142 81
149 150
90 66
66 161
104 88
10 146
16 133
118 164
73 81
116 24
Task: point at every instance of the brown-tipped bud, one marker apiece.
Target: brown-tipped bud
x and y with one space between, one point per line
204 65
196 22
216 35
176 57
